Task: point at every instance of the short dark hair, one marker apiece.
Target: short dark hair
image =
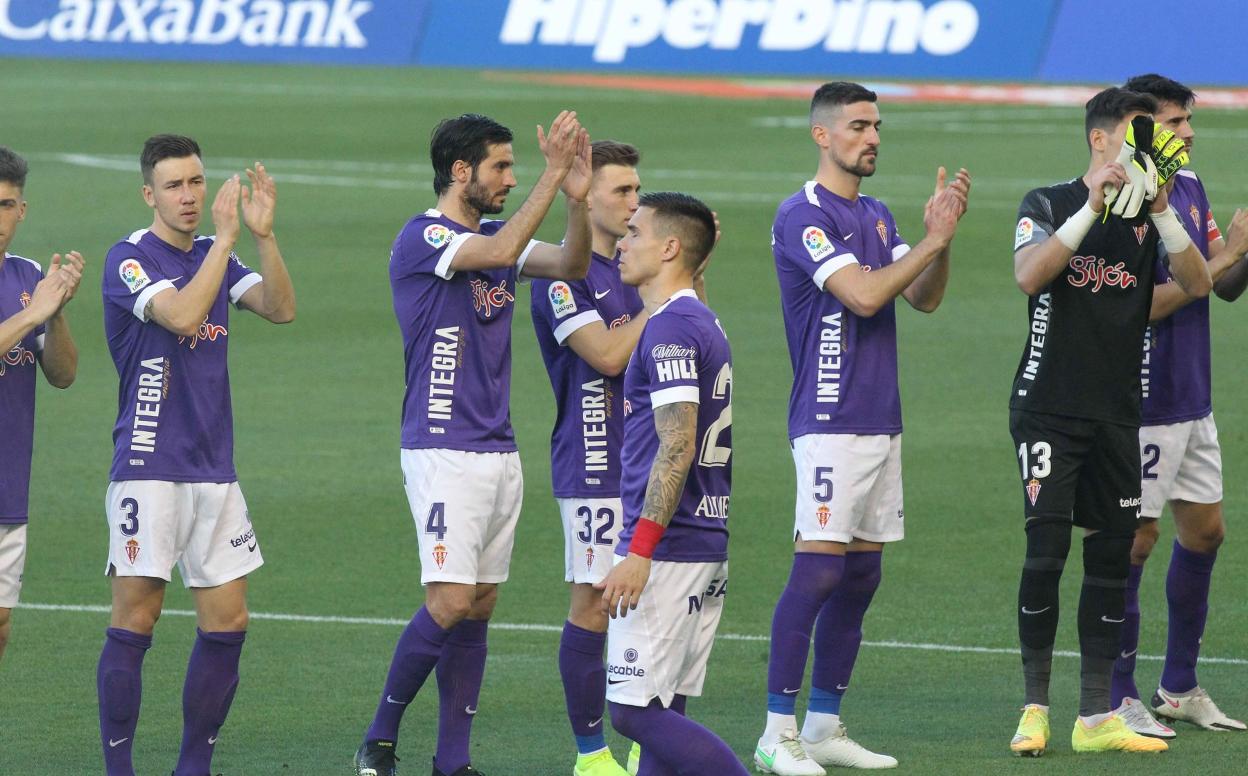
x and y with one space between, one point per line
13 168
464 138
161 147
614 152
1109 107
689 218
1162 88
837 93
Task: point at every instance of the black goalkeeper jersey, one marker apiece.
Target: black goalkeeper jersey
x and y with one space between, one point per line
1085 330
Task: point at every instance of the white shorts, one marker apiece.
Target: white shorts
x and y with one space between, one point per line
591 527
1180 462
849 487
661 648
203 527
12 561
465 506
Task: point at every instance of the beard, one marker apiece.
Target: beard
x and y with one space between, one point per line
479 198
863 168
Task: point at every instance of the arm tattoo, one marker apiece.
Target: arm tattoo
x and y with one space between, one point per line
677 426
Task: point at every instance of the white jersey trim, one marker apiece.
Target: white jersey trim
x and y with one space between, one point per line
689 292
679 393
900 250
33 263
39 342
811 197
832 265
146 296
524 255
565 329
136 235
244 285
443 268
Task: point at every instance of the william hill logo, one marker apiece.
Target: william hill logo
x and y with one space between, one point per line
301 23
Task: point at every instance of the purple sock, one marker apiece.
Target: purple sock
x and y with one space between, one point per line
674 744
811 582
460 671
119 683
1123 683
584 684
839 632
211 679
650 765
414 657
1187 593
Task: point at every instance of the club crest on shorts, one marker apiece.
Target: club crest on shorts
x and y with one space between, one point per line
589 557
439 554
1033 490
823 513
132 551
882 230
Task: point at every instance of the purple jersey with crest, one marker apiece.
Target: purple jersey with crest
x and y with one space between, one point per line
1176 376
682 356
589 406
456 339
174 419
18 278
844 365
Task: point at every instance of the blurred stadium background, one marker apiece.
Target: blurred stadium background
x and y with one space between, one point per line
693 84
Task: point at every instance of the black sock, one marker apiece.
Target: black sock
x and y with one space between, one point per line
1047 546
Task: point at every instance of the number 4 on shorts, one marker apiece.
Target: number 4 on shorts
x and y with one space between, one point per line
436 524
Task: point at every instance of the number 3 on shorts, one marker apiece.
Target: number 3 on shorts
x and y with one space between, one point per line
436 524
130 508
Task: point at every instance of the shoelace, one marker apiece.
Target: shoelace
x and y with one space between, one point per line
791 745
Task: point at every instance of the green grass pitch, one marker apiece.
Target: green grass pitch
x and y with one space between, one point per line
317 410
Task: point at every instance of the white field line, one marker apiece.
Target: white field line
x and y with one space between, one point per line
512 626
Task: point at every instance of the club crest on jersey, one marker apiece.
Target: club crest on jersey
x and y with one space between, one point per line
132 275
207 332
1089 270
1141 232
487 299
1022 233
438 235
24 299
817 243
561 301
1195 216
881 229
822 514
1033 490
439 554
132 551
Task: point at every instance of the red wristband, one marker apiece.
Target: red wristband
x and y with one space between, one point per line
646 536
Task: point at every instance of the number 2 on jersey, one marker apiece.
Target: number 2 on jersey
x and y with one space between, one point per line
712 453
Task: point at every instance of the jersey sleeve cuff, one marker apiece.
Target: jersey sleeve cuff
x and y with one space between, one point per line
39 343
565 329
679 393
146 295
524 256
243 286
832 265
900 250
443 268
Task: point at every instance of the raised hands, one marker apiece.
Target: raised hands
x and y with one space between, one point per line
947 204
1237 233
225 211
562 144
58 287
259 202
1112 176
576 184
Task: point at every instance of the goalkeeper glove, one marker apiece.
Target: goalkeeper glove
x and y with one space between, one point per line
1141 171
1167 153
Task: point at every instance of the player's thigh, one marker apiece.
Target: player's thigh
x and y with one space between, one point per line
222 608
648 649
1050 451
452 495
149 525
884 513
591 527
835 477
1162 450
494 565
1108 496
1199 476
223 546
12 563
693 672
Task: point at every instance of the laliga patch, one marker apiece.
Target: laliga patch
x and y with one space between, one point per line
438 235
132 275
817 243
1022 235
561 300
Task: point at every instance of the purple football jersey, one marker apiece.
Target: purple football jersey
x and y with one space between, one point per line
683 356
18 278
456 339
174 418
589 406
844 365
1176 375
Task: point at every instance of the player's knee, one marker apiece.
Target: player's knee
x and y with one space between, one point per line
449 604
1146 535
1048 544
137 620
5 614
629 721
1204 537
1107 554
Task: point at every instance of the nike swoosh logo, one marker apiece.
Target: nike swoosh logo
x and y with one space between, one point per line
846 237
787 691
1112 622
601 294
1126 655
390 699
617 681
175 280
768 761
1038 611
212 740
114 744
1175 704
842 687
252 547
469 710
596 722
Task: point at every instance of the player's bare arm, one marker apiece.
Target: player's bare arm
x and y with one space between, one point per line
274 297
1187 266
504 247
608 350
676 425
59 359
181 311
44 302
1035 266
1229 273
569 261
864 293
928 289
